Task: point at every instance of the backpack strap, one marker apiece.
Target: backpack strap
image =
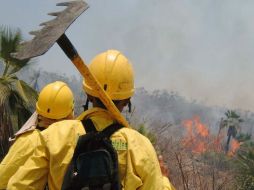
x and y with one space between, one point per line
88 125
108 131
90 139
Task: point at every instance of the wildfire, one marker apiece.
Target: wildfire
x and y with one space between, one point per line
198 138
234 147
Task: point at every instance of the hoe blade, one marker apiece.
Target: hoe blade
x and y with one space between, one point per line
52 30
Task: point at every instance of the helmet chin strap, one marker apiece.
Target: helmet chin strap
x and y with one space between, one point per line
86 105
129 106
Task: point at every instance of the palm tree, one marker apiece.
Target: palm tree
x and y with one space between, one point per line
17 98
232 122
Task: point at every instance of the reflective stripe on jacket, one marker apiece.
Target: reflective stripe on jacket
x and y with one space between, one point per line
138 164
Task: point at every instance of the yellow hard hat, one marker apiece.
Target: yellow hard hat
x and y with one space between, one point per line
114 73
55 101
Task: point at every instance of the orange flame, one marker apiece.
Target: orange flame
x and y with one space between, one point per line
235 145
198 138
202 130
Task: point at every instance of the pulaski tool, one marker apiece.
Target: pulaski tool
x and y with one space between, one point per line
54 31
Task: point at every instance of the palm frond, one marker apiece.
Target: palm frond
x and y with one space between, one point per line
20 90
17 98
231 114
17 65
10 40
4 93
28 92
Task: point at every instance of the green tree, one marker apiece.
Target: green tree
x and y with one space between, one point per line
17 98
245 167
232 123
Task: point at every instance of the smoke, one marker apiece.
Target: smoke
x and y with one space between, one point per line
201 49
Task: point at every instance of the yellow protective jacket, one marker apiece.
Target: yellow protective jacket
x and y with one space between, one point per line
18 154
138 164
20 151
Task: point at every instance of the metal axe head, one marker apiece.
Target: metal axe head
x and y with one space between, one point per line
52 30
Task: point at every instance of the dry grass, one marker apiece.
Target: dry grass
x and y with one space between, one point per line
194 171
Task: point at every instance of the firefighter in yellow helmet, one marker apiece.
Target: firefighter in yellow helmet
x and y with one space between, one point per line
55 102
138 164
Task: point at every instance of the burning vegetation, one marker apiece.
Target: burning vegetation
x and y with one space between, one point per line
198 139
203 159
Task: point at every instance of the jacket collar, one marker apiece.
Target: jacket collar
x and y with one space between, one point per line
101 117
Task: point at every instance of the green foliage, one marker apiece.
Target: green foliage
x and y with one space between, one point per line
232 114
9 43
232 123
245 166
17 98
241 137
246 182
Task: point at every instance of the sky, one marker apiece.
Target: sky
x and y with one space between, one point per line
204 50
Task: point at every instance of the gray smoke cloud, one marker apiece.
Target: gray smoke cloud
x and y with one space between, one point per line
201 49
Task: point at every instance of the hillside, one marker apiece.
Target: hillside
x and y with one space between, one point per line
185 133
159 106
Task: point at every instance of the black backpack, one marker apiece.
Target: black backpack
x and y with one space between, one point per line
94 165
